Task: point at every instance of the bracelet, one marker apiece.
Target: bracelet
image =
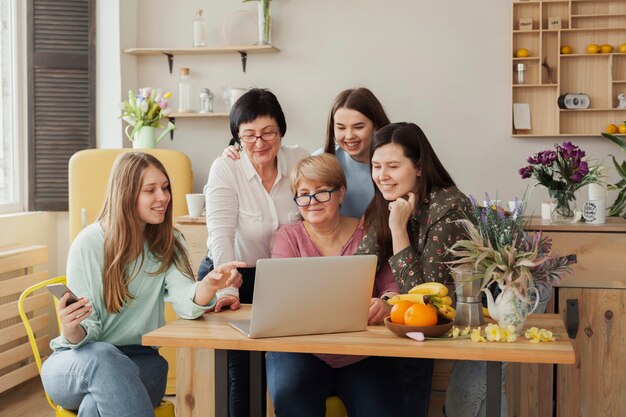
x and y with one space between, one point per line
385 298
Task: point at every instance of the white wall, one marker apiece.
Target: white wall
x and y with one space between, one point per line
444 65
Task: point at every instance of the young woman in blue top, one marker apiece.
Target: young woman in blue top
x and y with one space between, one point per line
124 267
356 114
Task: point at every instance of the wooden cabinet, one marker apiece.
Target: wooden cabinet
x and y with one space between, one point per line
596 385
549 74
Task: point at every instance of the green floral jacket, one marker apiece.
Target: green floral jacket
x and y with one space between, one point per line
434 229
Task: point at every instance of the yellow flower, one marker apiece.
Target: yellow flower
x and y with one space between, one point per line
546 336
466 331
493 332
455 332
530 333
507 333
476 336
539 335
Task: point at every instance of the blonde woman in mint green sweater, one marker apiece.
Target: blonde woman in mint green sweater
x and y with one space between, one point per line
124 268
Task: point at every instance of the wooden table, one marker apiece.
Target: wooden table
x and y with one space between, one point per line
212 331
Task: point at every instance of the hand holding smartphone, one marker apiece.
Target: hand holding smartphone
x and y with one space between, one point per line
59 290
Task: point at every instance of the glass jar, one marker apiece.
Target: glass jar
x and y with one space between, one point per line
206 101
198 30
184 92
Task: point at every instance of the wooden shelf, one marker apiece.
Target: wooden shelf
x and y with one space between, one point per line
585 16
195 115
590 110
202 50
242 50
579 23
535 85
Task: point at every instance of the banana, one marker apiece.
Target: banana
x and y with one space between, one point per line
413 298
430 288
447 312
486 312
437 301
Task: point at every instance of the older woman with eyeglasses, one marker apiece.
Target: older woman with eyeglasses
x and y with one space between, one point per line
300 383
247 200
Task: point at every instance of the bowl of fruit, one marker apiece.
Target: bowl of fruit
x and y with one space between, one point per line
425 309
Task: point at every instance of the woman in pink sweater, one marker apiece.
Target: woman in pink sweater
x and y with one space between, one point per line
300 383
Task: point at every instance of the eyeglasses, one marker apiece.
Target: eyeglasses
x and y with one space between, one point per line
266 136
320 196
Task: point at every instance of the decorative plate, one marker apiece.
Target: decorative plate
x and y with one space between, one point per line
441 328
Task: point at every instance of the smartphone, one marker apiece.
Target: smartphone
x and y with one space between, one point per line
59 290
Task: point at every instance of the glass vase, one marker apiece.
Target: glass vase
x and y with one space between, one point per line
265 23
564 203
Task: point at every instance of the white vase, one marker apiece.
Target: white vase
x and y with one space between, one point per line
265 22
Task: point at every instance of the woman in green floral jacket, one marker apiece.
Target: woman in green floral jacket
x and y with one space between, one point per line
412 222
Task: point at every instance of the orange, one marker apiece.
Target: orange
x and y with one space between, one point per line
566 49
606 48
522 53
420 315
398 310
592 48
622 48
611 128
622 128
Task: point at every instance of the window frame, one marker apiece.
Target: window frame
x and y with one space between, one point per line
17 88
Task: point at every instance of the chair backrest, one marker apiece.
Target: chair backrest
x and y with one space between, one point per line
88 176
22 308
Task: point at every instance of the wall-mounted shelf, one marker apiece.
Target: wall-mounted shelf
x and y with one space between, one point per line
195 115
242 50
550 74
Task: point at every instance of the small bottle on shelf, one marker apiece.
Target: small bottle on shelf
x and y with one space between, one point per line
521 71
184 92
206 101
198 29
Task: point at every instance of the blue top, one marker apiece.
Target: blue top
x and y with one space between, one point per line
360 186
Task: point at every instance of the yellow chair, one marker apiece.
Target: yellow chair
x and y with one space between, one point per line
335 408
165 409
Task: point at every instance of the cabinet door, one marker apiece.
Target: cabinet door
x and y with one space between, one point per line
596 385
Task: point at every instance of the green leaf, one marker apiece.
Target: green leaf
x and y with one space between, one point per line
621 169
619 142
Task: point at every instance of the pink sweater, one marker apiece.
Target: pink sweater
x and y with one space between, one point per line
293 241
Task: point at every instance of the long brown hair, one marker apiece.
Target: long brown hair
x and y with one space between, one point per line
123 238
432 175
361 100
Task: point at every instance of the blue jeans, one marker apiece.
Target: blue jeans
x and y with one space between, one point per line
238 360
467 387
99 379
299 384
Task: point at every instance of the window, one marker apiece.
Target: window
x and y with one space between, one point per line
61 95
9 164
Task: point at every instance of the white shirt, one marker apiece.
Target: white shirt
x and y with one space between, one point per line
241 216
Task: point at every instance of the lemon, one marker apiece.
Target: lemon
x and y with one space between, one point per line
622 48
622 128
593 48
522 53
606 49
611 128
566 49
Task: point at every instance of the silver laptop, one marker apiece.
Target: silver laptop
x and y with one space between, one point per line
301 296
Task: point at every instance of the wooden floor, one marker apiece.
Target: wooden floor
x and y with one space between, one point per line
28 400
25 400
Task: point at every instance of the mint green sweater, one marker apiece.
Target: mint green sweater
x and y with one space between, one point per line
143 313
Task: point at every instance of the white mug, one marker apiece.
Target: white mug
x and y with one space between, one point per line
233 95
195 204
594 211
547 207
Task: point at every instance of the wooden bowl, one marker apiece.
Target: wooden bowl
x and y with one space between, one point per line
442 326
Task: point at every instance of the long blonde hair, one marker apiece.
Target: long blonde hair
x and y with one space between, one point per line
123 237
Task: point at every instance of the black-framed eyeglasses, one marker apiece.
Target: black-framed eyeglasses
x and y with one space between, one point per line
266 136
321 196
